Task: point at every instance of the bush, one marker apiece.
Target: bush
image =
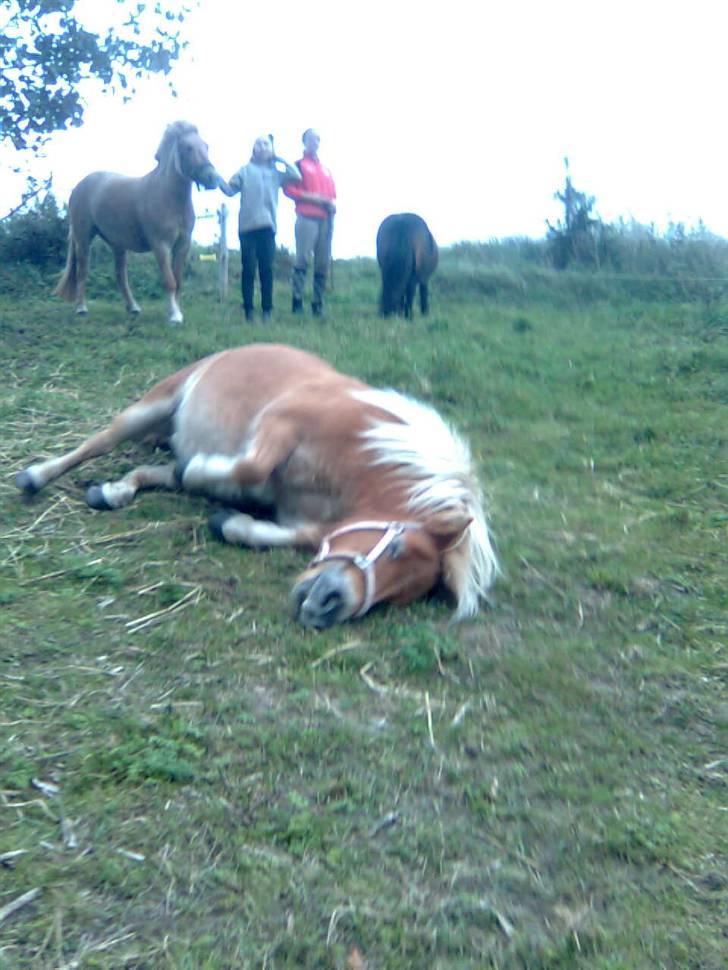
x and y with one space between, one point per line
36 236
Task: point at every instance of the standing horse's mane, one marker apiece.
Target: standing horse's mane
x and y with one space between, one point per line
424 448
171 133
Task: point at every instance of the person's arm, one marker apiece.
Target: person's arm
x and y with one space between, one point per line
289 174
232 187
294 191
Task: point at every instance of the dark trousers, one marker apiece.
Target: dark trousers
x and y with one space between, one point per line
257 251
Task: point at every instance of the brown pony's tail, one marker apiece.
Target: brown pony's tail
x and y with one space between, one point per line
68 282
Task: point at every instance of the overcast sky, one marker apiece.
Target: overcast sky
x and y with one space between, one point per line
461 111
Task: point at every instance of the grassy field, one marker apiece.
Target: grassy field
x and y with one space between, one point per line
189 780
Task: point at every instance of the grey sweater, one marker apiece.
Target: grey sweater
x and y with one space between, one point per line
258 185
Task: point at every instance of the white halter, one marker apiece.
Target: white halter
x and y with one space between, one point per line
364 563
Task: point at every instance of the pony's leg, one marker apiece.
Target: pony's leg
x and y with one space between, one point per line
213 474
115 495
137 421
82 245
241 529
424 299
179 256
122 281
409 297
164 258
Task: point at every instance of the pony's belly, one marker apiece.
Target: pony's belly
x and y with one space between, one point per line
295 506
233 494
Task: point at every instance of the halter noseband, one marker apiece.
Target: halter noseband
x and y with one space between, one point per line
364 563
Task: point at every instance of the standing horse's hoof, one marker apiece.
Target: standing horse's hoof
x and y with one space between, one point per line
174 321
134 310
82 310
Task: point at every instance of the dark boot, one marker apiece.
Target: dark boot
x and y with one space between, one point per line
298 280
319 288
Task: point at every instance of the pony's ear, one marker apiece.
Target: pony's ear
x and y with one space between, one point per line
450 532
448 528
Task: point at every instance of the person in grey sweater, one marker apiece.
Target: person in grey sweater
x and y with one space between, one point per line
258 183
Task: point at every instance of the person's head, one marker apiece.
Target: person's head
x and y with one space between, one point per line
311 141
262 149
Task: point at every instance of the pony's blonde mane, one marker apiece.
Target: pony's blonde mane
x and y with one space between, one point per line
172 134
424 448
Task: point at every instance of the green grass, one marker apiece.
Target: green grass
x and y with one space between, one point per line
543 787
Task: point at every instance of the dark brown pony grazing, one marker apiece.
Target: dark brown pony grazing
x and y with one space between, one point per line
375 481
153 212
407 256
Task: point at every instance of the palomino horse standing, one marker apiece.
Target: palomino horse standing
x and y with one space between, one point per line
153 212
376 481
407 256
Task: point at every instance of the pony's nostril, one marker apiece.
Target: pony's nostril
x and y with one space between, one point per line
331 601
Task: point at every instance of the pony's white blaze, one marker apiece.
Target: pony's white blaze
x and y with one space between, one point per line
425 450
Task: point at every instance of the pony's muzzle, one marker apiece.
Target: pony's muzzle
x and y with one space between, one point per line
207 176
322 599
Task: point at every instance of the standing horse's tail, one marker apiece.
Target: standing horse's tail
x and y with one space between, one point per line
68 283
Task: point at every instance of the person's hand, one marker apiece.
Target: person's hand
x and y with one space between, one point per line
224 186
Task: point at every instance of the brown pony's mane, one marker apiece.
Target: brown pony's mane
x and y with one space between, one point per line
438 463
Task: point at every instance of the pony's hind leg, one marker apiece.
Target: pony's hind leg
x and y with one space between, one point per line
137 421
424 299
122 281
81 243
115 495
409 297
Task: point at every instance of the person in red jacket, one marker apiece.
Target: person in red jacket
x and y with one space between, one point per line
314 196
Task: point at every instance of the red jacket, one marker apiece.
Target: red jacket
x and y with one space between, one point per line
315 177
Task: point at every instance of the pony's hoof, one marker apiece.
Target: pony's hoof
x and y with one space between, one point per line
95 498
179 473
134 311
82 310
217 522
26 483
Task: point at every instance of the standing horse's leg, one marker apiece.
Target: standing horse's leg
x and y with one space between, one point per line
424 299
163 253
179 257
81 243
122 280
409 297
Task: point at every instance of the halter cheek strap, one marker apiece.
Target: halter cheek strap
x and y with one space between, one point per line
364 562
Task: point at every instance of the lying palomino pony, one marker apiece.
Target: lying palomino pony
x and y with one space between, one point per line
373 480
407 256
153 212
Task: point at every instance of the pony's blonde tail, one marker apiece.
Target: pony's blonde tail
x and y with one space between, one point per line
68 283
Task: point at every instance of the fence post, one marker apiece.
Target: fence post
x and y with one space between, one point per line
222 254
